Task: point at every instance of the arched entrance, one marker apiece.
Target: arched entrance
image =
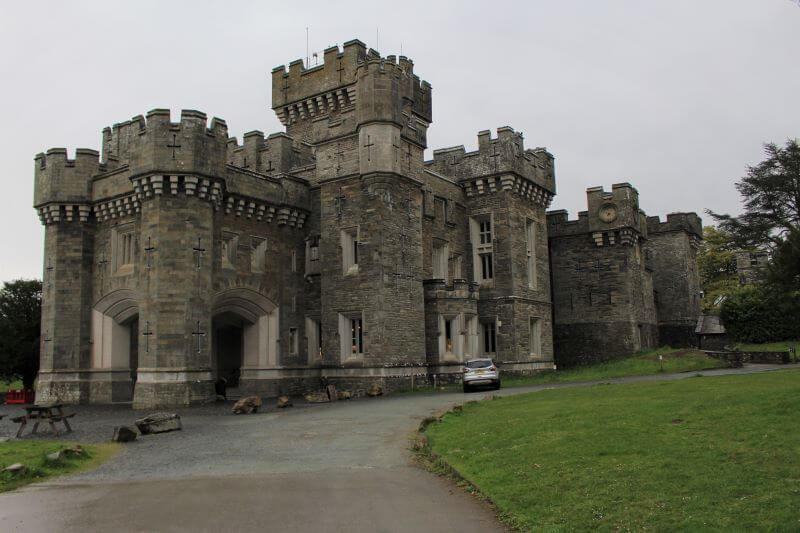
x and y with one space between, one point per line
115 350
244 334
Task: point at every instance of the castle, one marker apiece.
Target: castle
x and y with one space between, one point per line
332 251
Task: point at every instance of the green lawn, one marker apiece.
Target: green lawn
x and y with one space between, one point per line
704 453
768 347
33 454
674 360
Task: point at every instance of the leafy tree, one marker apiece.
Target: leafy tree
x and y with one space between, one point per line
771 196
716 261
20 318
784 269
761 313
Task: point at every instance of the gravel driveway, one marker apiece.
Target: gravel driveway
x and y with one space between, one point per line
325 467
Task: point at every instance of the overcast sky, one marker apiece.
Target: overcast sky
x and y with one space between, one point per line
675 97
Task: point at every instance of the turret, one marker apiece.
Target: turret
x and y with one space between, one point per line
615 215
689 223
501 163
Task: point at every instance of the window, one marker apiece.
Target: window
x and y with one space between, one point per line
350 250
451 335
293 341
351 335
439 209
457 268
489 337
230 246
313 339
448 336
258 254
482 248
535 341
312 255
122 248
471 346
440 256
294 260
530 242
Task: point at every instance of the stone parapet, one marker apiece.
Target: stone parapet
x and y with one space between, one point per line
505 154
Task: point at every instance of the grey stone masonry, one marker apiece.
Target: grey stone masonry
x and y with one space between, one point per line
622 282
671 250
178 258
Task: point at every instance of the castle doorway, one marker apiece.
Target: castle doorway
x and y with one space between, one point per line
115 347
133 348
228 342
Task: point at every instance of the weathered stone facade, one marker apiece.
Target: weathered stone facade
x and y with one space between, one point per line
328 252
622 282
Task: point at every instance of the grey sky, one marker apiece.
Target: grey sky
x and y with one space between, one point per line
674 96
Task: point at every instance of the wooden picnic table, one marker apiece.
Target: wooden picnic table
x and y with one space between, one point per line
50 413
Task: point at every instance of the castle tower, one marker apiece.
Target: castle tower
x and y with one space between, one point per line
602 285
62 196
366 117
507 189
671 251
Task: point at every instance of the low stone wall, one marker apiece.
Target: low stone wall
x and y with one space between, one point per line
772 358
737 359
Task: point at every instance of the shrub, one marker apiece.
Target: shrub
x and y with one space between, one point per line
762 314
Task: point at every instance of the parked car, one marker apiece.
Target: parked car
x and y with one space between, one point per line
481 372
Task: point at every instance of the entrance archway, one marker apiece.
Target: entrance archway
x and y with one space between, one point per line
115 353
244 334
228 348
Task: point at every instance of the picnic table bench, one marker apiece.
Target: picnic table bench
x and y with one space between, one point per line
50 413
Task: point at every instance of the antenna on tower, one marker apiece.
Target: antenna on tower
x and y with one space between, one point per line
377 40
307 58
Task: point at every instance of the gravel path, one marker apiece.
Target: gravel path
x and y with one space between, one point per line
322 467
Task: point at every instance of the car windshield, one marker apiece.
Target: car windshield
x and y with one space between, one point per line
481 363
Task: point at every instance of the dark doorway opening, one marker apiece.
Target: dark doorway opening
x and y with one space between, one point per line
228 347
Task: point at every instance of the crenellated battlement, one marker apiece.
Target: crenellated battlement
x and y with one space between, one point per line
686 222
338 86
337 70
58 179
559 224
156 136
505 154
278 153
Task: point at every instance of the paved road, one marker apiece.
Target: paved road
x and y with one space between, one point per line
334 467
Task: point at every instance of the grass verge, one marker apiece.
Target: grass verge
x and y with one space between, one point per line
696 454
768 347
673 361
33 454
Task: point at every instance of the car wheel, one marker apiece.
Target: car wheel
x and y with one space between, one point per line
466 387
497 386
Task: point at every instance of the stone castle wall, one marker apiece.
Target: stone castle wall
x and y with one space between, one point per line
178 256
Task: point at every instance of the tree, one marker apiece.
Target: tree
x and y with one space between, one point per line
20 319
771 196
784 269
716 262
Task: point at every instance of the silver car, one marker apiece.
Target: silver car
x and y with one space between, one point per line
481 372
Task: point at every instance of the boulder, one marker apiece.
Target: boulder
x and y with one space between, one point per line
55 456
159 423
283 401
247 406
317 397
331 391
75 451
344 394
124 434
375 390
16 469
